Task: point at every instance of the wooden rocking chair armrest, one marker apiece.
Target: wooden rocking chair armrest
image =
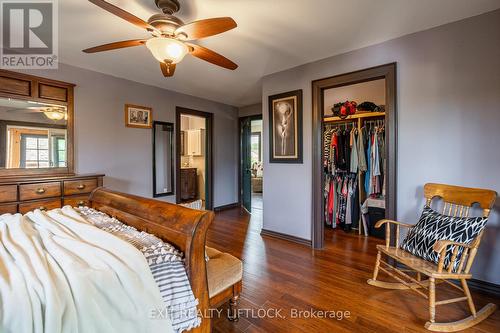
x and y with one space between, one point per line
388 230
441 245
382 222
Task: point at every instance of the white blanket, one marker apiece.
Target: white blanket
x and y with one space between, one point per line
58 273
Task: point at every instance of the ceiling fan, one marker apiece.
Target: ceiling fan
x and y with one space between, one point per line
170 36
53 113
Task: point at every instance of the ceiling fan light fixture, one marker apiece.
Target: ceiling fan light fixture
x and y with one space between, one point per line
55 114
166 49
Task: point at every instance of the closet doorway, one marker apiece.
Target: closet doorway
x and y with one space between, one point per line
194 177
354 152
251 163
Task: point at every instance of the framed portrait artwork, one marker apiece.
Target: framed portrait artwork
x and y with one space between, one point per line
285 127
138 116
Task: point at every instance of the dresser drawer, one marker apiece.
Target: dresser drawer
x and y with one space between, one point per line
9 208
79 186
39 190
77 200
8 193
46 204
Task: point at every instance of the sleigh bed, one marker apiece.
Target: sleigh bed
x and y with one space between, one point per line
182 227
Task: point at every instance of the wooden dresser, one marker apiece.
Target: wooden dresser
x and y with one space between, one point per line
189 184
21 195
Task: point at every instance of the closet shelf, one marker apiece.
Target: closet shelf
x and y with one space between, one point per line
356 116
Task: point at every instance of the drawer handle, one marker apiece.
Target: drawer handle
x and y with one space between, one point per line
40 190
42 208
80 187
80 203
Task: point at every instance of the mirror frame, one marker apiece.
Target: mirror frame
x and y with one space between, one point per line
172 191
38 89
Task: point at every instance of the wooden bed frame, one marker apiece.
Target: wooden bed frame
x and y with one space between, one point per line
182 227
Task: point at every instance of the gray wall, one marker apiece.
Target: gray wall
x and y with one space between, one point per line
250 110
448 88
104 144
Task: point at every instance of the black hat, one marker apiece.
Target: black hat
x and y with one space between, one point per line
368 106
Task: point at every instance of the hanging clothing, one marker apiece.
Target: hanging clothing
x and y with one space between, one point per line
348 155
354 152
327 136
342 191
341 155
355 206
347 150
375 156
361 152
368 170
331 200
334 148
348 208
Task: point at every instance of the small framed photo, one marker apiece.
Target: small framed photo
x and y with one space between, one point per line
138 116
285 127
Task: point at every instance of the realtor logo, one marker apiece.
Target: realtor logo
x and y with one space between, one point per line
29 34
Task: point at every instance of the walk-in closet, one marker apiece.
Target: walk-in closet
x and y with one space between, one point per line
354 156
354 160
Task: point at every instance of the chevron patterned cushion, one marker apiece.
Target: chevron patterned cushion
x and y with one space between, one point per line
434 226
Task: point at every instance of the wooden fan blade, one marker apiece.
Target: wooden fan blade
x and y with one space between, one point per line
123 14
211 56
167 69
205 28
115 45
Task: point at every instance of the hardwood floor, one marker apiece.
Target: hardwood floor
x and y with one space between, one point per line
280 276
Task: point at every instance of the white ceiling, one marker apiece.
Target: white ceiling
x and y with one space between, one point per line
272 35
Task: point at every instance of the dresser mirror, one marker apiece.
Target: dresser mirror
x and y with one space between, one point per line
33 135
36 129
163 161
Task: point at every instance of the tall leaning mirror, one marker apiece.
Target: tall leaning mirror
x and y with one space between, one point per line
163 149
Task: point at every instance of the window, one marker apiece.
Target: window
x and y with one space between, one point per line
59 149
34 151
255 147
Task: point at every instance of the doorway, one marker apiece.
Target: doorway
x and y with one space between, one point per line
251 163
342 180
194 174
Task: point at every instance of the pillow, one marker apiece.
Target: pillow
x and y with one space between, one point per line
434 226
196 204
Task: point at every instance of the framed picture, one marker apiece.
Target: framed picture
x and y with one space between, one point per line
285 127
138 116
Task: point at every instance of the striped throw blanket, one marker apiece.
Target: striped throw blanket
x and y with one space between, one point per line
166 264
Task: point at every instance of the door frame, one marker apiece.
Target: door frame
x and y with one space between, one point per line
387 72
209 182
240 168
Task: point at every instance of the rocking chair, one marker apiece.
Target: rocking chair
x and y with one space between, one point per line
457 202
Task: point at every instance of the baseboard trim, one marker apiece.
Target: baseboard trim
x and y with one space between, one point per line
484 287
228 206
290 238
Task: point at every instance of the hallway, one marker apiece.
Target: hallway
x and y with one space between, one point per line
282 276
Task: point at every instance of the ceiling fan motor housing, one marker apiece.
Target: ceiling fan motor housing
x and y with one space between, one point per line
168 6
166 23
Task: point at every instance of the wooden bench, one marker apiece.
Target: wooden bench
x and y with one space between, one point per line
224 274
